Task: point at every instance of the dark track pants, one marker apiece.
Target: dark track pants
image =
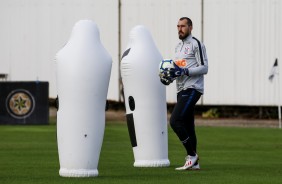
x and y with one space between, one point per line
182 119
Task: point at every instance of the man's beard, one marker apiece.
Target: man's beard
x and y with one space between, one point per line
182 37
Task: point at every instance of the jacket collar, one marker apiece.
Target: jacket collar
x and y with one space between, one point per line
188 38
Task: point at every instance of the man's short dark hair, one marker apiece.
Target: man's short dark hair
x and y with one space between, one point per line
189 21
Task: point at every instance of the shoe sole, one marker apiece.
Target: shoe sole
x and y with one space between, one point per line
191 169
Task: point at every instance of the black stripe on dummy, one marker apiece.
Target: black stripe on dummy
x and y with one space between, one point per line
125 53
131 103
131 129
200 48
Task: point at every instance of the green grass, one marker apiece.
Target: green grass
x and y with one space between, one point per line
28 154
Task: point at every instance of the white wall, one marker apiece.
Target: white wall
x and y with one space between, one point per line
33 31
242 38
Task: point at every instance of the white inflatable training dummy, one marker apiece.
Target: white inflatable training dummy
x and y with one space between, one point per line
83 74
145 100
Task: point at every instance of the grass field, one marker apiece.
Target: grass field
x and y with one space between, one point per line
28 154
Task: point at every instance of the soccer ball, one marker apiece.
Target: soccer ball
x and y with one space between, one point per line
165 65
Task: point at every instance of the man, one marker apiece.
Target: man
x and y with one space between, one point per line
190 66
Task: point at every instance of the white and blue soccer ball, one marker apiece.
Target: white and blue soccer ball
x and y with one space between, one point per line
165 65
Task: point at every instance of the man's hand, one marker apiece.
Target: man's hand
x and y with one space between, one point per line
166 81
176 71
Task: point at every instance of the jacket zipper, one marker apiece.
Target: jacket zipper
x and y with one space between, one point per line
182 46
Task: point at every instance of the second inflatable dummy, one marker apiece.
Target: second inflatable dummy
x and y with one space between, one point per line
145 100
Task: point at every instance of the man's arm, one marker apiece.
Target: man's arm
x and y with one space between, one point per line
202 59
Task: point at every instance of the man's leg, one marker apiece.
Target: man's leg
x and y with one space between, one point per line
190 128
182 119
182 122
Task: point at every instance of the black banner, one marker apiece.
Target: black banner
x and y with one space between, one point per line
24 103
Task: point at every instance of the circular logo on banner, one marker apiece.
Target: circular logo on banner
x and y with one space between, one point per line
20 104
